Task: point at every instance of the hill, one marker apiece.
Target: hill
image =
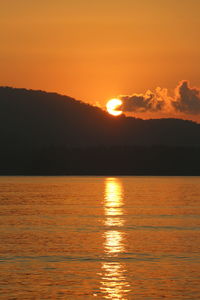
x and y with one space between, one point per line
35 122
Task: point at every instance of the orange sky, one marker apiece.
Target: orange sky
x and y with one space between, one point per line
95 50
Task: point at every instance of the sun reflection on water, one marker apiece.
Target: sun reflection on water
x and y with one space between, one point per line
114 284
113 202
113 242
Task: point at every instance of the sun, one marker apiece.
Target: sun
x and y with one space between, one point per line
112 107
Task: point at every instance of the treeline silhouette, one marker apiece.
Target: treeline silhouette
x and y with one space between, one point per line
47 133
137 160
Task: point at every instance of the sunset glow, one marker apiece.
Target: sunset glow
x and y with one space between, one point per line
93 50
100 149
112 107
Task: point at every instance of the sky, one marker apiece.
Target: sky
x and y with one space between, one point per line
95 50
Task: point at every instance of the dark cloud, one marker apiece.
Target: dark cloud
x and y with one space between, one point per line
185 100
142 102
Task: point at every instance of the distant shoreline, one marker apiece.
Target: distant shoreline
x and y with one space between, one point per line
102 161
62 174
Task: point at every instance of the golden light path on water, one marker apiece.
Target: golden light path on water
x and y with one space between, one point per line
114 284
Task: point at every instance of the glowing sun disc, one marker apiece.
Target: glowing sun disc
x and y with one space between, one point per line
112 107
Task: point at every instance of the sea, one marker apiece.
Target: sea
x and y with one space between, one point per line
100 237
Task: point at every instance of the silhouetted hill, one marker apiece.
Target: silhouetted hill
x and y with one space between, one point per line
39 130
35 118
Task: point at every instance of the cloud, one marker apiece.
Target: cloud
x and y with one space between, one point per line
150 101
185 100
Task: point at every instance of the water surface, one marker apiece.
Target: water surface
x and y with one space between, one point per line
100 237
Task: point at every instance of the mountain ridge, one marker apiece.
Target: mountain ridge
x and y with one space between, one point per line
50 134
51 118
